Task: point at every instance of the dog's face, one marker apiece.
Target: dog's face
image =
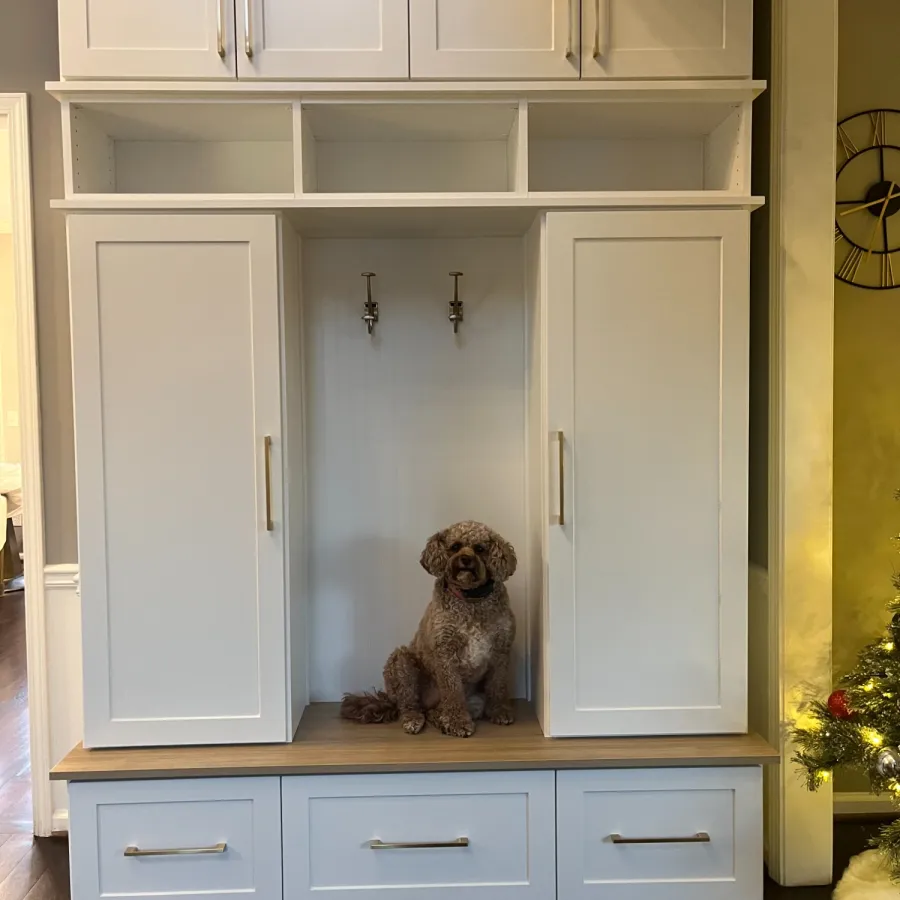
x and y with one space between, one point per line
469 555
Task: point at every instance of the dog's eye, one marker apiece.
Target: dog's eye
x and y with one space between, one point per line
455 548
479 548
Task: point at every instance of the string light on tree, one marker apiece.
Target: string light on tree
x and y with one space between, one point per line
858 726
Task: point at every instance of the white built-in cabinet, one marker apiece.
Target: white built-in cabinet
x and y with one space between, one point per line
666 38
177 362
343 40
643 428
630 439
146 39
464 40
493 39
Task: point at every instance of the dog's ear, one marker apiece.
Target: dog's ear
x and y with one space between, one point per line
434 559
502 558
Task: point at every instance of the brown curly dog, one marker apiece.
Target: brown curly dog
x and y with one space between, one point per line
462 646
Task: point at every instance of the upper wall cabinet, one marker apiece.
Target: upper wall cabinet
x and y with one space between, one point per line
312 39
146 39
666 38
504 39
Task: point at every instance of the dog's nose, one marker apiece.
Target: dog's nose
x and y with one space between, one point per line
466 561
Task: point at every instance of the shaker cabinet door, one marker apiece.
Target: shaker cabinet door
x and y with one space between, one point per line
666 38
178 419
647 384
348 40
146 39
502 39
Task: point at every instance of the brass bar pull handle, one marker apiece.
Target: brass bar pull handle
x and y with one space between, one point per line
220 29
570 45
561 439
421 845
270 525
248 30
131 850
601 28
701 837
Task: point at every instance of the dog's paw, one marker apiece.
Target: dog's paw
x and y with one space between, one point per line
455 724
501 715
413 723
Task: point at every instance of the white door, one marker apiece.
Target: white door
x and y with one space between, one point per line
504 39
175 349
146 39
666 38
647 375
319 40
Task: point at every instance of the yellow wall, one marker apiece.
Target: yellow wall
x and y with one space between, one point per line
10 443
867 371
10 447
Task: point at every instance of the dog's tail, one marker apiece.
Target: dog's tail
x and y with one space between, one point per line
369 707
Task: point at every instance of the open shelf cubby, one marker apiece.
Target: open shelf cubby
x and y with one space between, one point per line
586 145
146 147
410 147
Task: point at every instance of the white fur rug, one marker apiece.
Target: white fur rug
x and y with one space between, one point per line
866 878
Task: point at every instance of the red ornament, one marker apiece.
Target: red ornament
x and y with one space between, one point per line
838 706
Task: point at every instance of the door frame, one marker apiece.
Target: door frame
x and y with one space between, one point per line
803 88
14 108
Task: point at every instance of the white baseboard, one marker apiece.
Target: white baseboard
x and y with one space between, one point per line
862 803
60 821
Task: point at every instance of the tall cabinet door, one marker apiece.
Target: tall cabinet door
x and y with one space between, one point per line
647 384
175 337
323 39
514 39
146 39
666 38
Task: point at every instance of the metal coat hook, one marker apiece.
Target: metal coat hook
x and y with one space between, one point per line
456 305
371 306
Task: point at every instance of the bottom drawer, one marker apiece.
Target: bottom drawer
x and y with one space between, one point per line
442 835
660 834
186 839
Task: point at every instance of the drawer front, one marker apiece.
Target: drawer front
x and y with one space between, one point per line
660 834
495 831
124 836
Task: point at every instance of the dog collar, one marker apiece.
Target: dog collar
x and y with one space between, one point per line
478 593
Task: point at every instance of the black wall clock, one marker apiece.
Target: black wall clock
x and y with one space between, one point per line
867 224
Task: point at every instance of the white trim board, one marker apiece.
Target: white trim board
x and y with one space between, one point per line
862 803
14 107
801 321
736 89
65 713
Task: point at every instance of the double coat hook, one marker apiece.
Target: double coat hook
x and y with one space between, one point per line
370 316
456 305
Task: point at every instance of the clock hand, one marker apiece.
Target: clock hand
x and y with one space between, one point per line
854 209
887 200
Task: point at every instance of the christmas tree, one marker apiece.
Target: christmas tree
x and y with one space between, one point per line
858 727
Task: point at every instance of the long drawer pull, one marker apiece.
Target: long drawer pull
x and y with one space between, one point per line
701 837
423 845
176 851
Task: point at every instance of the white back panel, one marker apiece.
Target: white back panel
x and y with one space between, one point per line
668 164
408 431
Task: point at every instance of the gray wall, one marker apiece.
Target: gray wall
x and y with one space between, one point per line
28 58
759 296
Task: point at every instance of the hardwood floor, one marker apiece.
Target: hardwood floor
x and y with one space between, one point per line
32 868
